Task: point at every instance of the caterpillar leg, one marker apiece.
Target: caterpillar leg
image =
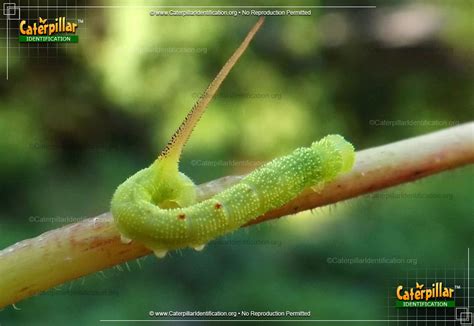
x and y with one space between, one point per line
124 239
200 247
160 253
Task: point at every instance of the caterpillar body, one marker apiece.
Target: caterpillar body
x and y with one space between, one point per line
157 206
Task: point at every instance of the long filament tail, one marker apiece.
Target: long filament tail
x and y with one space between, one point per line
173 149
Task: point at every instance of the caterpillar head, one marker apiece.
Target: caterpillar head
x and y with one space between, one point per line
336 153
345 150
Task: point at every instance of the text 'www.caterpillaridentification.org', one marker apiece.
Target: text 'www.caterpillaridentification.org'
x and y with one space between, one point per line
227 314
231 13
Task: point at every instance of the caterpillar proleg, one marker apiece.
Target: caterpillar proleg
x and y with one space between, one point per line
157 206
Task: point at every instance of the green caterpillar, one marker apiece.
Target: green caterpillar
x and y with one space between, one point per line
157 206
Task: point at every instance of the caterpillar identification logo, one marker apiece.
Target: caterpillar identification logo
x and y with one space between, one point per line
420 296
58 30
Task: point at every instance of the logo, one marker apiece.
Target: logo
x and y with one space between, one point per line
420 296
59 31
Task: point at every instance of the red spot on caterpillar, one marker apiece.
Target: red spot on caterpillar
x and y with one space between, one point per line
182 216
217 206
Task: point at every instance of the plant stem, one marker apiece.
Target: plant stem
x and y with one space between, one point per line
34 265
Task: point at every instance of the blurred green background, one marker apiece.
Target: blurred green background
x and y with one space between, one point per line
78 119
